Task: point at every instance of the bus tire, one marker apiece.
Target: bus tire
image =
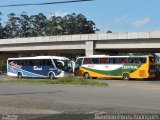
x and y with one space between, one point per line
86 75
126 76
19 75
51 76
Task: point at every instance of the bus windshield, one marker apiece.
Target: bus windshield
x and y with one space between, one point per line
153 59
64 65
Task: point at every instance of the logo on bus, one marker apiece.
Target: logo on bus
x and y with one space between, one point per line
129 67
37 68
14 64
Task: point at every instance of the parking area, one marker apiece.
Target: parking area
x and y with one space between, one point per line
150 84
119 97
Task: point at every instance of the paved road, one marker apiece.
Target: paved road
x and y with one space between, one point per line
119 97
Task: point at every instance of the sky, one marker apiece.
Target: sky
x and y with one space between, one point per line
113 15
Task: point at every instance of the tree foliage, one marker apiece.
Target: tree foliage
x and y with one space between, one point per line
24 25
1 29
11 29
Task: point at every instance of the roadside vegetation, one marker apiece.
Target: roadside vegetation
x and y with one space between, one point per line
65 80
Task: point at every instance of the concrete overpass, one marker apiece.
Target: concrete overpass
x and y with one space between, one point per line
85 44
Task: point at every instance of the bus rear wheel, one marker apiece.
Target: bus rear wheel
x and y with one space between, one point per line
51 76
126 76
86 75
19 75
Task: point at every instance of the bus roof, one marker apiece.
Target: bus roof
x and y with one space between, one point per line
40 57
98 55
107 56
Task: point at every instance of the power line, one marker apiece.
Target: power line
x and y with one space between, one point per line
48 3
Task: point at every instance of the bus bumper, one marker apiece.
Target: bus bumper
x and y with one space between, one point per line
65 74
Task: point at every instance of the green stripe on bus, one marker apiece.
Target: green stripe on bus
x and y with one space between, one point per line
116 72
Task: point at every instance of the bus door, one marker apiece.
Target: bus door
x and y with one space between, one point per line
77 71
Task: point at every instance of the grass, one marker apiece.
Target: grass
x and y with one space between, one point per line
64 80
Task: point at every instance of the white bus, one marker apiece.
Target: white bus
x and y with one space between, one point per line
40 66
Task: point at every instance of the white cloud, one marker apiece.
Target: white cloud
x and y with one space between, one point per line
140 23
121 19
59 13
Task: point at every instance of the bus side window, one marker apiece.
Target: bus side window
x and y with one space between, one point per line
142 60
130 60
48 62
123 60
87 61
37 62
22 62
17 62
111 60
95 60
136 60
43 63
114 60
133 60
9 62
26 62
103 60
31 62
117 61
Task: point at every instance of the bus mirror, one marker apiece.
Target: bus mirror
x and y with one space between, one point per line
62 63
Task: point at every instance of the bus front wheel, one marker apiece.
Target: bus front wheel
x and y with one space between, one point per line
19 75
126 76
51 76
86 75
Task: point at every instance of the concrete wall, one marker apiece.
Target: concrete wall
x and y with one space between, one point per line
43 46
89 43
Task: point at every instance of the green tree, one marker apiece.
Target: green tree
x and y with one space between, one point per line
109 31
38 25
77 24
11 28
2 65
54 26
25 27
1 28
70 24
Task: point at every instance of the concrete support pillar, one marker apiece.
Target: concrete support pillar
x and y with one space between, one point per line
89 48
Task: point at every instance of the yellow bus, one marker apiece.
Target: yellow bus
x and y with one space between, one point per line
125 67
